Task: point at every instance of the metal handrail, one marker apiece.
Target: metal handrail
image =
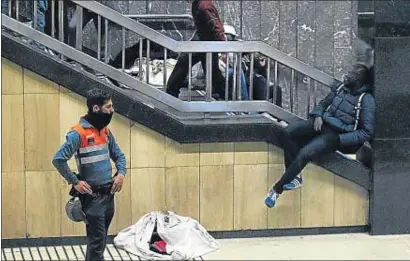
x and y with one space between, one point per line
208 46
160 16
146 89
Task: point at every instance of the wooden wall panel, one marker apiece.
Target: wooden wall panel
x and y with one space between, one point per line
182 191
13 205
42 130
12 142
250 190
147 148
147 191
216 197
43 204
11 77
317 197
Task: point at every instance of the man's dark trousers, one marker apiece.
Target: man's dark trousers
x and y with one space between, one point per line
302 144
99 211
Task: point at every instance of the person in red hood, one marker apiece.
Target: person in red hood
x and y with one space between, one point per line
209 28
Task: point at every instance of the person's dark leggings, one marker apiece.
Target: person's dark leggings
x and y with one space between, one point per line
99 212
180 72
302 144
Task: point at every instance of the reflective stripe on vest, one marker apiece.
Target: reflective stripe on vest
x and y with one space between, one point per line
93 159
93 148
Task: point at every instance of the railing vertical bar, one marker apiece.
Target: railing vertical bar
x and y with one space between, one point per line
227 77
148 58
267 78
251 77
189 76
315 93
17 9
276 84
34 20
79 28
209 76
235 57
106 59
292 81
239 75
9 7
310 86
53 18
141 75
61 23
165 66
123 50
99 38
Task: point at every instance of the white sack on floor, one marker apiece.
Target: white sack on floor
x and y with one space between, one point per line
184 236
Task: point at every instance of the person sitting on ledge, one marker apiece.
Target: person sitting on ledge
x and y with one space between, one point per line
343 120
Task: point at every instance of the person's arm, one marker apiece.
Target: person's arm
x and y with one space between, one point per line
322 105
365 130
212 18
116 155
66 151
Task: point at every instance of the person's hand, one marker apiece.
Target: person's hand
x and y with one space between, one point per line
83 188
317 124
117 183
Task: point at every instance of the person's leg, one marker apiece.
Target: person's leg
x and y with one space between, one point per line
295 136
245 95
42 6
4 7
180 72
94 209
323 144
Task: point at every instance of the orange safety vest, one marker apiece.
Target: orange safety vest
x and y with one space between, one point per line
92 142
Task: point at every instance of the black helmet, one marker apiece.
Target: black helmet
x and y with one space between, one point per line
74 210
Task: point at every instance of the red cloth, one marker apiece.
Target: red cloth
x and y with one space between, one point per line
208 24
160 246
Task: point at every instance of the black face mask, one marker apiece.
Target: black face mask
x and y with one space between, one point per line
99 119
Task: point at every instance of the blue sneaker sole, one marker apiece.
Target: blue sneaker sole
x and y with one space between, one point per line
290 188
269 203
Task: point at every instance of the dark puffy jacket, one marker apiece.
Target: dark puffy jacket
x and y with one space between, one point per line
338 110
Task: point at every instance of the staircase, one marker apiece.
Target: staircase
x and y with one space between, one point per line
184 121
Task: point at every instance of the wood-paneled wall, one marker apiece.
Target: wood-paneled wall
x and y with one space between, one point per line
223 185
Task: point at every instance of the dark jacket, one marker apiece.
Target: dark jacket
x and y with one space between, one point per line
338 110
208 25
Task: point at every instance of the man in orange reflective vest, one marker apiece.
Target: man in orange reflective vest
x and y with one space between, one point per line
93 146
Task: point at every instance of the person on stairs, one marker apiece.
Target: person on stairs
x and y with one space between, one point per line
209 28
343 120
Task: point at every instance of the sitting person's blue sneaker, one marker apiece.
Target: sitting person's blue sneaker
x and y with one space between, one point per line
271 198
294 184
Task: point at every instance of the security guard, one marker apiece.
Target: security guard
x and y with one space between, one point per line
93 145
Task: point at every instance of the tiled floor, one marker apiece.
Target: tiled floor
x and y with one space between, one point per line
323 247
75 252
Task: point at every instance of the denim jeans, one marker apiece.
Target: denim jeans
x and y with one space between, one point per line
4 6
244 89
